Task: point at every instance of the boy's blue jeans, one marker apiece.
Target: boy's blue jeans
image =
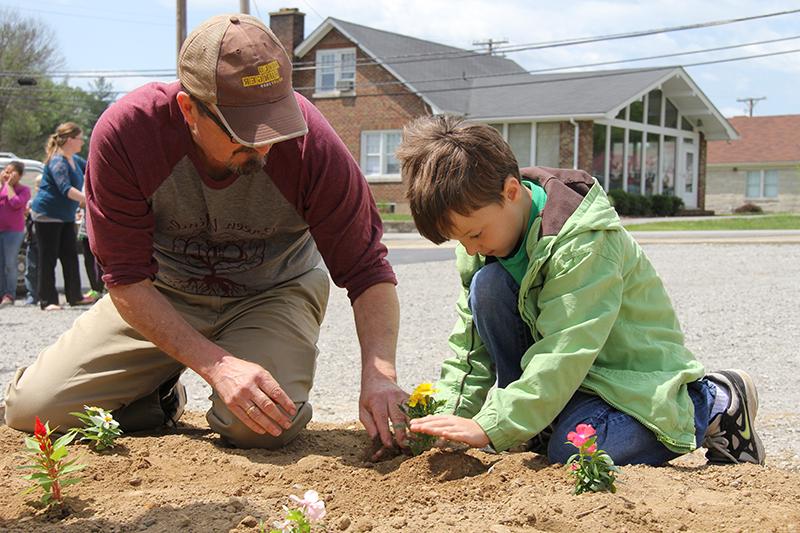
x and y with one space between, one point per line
493 301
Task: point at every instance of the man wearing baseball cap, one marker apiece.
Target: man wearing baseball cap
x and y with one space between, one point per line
212 201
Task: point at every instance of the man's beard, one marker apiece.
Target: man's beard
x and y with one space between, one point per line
252 165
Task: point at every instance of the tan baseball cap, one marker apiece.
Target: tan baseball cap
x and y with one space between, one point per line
237 66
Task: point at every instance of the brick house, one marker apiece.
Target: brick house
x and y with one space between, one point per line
642 130
762 167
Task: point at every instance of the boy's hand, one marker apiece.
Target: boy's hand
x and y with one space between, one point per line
451 427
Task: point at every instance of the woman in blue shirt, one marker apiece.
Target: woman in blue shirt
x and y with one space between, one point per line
53 212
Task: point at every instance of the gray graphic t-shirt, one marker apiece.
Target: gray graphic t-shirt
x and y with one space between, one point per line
236 241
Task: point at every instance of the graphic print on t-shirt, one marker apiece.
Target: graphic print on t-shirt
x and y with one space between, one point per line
235 241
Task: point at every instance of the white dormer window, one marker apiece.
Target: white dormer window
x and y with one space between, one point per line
336 71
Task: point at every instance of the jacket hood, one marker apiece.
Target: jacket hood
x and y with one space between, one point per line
575 202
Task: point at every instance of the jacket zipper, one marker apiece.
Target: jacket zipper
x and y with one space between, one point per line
469 363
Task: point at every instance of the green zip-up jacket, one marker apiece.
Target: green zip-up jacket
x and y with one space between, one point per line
601 322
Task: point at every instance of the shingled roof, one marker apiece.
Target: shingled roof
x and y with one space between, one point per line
488 87
772 139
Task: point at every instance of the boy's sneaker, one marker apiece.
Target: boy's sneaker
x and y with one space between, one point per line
731 437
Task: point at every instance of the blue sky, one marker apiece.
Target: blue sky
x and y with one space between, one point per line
112 35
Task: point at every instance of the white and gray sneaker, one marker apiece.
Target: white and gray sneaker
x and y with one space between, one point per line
731 436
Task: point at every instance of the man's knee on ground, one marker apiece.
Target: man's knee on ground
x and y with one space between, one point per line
241 436
23 405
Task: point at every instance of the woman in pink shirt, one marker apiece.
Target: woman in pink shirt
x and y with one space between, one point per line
13 198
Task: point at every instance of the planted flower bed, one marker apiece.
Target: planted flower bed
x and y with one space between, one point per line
186 480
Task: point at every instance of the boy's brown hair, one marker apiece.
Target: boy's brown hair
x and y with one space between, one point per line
452 167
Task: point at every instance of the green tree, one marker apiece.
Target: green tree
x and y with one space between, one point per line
29 113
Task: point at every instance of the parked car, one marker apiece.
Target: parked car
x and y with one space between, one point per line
33 170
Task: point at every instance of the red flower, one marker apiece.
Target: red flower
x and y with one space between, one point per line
39 430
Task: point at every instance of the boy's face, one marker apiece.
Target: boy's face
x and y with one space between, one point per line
496 228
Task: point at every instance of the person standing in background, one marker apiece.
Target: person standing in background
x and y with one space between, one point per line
13 198
53 212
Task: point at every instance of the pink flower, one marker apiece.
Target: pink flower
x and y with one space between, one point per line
574 466
582 433
591 449
312 506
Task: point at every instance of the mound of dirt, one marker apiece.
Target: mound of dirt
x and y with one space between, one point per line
187 480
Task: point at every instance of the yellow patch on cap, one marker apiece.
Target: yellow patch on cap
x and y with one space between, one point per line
268 74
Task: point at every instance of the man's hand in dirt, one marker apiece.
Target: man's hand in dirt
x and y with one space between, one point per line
253 395
451 427
379 405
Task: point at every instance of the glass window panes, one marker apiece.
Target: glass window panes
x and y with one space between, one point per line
651 164
770 183
689 183
668 165
519 138
637 111
654 107
753 184
547 144
670 115
348 65
498 127
599 152
335 65
634 160
373 143
686 125
617 159
621 114
377 153
392 141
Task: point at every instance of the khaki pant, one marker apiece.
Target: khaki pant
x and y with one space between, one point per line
102 361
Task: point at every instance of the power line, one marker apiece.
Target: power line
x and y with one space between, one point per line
584 65
306 2
467 78
595 75
158 72
536 81
432 56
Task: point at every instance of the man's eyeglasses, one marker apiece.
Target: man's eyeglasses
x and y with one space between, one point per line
210 114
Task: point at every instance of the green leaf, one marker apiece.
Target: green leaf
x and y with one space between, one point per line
59 453
65 439
71 468
29 490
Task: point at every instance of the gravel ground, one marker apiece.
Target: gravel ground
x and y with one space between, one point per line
738 305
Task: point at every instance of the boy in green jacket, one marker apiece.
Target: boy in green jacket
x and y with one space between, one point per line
562 318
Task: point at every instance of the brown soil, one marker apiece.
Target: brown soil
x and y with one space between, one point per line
188 481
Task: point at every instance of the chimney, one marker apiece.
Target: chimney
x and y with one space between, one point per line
288 26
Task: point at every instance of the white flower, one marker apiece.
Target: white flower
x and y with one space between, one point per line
312 506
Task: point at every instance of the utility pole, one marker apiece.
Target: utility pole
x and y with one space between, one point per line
751 102
489 44
244 6
180 25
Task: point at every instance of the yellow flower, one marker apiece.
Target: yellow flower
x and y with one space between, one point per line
421 395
